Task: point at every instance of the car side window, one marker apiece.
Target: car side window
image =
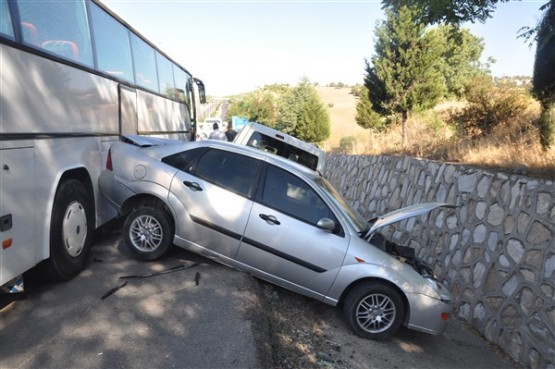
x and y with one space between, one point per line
289 194
183 160
229 170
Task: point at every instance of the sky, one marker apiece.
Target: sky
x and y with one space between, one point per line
238 46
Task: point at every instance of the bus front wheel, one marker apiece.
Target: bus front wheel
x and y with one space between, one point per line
71 230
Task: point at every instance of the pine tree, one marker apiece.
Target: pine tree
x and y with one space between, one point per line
365 116
403 76
313 121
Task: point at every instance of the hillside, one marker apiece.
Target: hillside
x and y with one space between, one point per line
512 147
341 106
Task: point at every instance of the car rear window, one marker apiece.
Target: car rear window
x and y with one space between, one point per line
269 144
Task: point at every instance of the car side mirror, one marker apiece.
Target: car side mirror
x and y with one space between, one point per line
327 225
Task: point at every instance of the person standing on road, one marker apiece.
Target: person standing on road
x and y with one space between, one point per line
216 134
230 133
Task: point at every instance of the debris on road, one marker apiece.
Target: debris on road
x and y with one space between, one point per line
170 270
113 290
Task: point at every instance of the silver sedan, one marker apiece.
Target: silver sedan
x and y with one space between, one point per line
277 220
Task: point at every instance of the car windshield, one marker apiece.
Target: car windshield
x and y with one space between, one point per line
356 218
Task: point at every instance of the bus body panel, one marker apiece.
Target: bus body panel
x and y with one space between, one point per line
41 96
60 114
128 110
152 121
17 209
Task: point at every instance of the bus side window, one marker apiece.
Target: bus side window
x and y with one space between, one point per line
30 33
113 49
67 49
6 26
59 27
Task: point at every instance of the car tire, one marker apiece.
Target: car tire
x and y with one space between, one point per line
374 310
71 231
148 233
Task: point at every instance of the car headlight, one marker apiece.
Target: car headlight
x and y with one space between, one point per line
440 289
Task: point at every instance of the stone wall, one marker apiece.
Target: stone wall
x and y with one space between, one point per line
495 251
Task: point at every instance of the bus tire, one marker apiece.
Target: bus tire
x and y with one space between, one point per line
71 231
148 232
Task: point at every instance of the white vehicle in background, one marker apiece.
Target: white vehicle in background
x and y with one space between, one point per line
65 101
281 144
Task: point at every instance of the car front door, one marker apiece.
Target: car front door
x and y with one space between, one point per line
282 240
216 194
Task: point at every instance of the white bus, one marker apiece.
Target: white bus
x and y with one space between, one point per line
74 78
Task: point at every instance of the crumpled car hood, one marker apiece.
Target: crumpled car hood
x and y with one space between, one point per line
402 214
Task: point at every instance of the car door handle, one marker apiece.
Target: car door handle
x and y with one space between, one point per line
269 219
192 185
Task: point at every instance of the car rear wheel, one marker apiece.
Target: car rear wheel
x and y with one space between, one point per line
148 233
374 310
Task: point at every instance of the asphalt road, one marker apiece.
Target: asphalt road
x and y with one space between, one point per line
202 315
165 321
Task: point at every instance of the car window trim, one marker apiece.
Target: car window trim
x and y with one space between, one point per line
250 193
260 189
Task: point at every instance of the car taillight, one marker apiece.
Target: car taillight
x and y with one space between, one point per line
109 161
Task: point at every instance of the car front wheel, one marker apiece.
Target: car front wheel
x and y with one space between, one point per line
147 232
374 310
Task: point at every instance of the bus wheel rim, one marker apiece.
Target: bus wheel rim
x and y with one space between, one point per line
74 229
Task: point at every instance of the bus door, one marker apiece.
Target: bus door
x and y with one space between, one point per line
17 209
128 111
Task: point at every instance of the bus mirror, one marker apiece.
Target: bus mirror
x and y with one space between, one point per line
201 90
202 94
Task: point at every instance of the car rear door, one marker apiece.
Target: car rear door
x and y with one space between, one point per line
217 197
282 239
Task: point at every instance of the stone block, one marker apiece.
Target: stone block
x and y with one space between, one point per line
540 234
496 215
467 183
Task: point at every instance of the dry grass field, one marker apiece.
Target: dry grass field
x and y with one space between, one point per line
513 147
341 106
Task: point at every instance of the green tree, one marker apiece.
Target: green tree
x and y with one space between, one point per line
456 12
297 111
403 76
448 11
366 117
302 114
459 62
259 106
543 80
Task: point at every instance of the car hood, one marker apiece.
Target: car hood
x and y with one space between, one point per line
402 214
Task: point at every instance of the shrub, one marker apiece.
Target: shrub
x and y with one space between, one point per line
347 144
489 105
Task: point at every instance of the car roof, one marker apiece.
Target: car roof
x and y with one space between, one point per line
161 151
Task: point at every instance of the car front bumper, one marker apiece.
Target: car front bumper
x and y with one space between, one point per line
428 314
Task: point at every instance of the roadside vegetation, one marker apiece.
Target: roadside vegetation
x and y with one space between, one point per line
426 94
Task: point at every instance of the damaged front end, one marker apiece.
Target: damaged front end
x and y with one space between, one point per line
403 253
